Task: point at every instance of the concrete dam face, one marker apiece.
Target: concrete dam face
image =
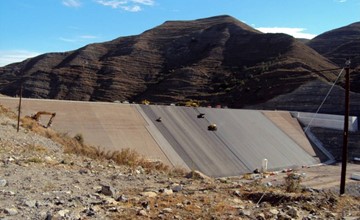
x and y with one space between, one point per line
179 136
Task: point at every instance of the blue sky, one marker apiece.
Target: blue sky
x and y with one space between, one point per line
32 27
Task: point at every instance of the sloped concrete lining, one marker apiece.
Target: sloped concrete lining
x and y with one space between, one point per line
108 125
319 145
165 146
243 139
292 128
253 137
326 120
199 148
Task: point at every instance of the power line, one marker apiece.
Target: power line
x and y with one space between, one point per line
322 103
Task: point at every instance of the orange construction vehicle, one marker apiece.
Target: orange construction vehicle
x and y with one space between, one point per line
36 117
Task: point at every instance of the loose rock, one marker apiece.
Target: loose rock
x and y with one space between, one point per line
149 194
107 190
11 211
177 188
3 182
167 210
142 213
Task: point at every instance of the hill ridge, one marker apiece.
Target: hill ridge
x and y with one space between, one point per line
216 60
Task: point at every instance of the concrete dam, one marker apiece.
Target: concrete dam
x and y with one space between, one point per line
242 140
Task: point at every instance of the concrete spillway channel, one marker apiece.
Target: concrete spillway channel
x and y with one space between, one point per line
243 138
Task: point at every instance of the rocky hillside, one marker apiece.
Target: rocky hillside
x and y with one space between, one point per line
42 177
217 60
309 96
341 44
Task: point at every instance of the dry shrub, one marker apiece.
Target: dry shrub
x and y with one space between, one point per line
34 160
7 112
125 157
30 124
79 137
73 146
222 206
177 171
133 159
76 145
347 203
152 165
70 145
292 182
36 148
193 209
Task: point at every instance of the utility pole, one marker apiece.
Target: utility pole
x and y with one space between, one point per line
346 128
19 109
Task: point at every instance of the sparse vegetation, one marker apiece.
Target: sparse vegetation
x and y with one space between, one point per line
7 112
79 137
77 146
292 182
34 160
36 148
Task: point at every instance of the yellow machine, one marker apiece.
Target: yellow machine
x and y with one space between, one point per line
145 102
212 127
192 103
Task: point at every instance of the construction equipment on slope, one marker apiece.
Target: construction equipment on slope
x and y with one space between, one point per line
212 127
36 117
192 103
145 102
200 115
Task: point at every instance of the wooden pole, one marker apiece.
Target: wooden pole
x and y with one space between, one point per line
19 109
346 129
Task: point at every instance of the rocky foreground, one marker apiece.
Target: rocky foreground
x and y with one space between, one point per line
39 181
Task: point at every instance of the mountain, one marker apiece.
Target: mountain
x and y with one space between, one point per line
309 96
216 60
341 44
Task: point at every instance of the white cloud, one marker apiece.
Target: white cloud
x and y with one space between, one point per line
113 3
144 2
77 39
13 56
70 40
88 37
295 32
134 8
72 3
127 5
340 1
